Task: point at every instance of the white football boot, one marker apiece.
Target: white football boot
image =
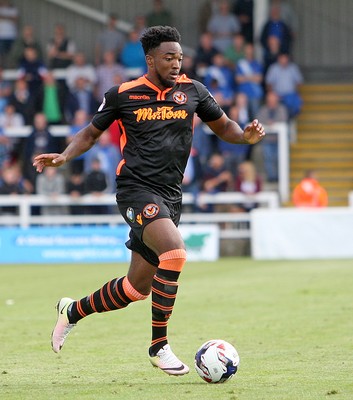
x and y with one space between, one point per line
168 362
62 327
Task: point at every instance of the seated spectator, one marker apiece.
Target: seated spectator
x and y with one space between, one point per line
27 39
269 114
10 146
235 51
80 68
9 16
51 184
272 52
133 57
249 76
203 141
80 98
219 72
223 94
109 39
60 48
23 102
223 25
5 90
284 78
309 192
204 54
76 188
159 15
96 184
188 67
106 73
247 181
33 70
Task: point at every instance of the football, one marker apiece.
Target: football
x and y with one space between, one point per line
216 361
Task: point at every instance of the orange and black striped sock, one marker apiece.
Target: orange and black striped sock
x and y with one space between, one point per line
115 294
164 291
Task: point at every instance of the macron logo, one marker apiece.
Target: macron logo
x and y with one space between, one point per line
139 97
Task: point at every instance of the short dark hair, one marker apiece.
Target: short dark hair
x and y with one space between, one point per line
155 35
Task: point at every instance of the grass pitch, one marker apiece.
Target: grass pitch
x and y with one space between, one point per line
291 322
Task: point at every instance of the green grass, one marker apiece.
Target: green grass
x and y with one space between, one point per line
291 322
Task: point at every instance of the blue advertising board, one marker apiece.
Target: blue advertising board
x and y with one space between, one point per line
64 244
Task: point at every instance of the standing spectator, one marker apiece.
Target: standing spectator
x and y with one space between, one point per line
51 100
38 141
243 9
23 102
109 39
271 113
159 15
223 25
80 68
27 39
8 29
106 74
249 76
288 15
5 90
60 48
309 192
284 77
274 26
80 98
272 52
133 57
204 54
51 184
33 70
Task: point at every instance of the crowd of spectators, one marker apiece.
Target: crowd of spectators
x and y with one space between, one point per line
246 87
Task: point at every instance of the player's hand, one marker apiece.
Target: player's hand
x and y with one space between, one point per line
254 132
48 160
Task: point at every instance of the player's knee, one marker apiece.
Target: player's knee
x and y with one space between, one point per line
173 260
135 293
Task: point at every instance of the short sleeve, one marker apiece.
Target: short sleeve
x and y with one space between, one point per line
208 109
108 111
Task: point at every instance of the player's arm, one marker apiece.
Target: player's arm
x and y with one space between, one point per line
229 131
81 142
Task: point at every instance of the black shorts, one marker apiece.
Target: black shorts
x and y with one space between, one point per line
139 208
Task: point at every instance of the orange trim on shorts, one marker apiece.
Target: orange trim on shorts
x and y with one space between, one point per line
131 292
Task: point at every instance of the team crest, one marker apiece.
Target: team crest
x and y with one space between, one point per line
150 211
130 214
180 97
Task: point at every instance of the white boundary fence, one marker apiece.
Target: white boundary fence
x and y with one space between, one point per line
233 225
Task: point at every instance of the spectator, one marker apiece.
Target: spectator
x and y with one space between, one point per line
9 146
76 188
205 12
106 74
33 70
272 52
274 26
222 93
96 184
220 72
51 100
235 51
204 54
27 39
284 78
223 25
249 76
159 15
80 98
5 91
188 67
51 184
108 156
309 192
133 56
38 141
269 114
288 15
8 29
80 68
192 177
249 182
140 24
109 39
243 9
23 102
203 141
60 48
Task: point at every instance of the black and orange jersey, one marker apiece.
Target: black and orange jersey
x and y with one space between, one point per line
156 131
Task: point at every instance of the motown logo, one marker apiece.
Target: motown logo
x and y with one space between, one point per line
162 113
151 210
130 214
180 97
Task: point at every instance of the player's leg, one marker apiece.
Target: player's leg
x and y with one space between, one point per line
115 294
165 240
